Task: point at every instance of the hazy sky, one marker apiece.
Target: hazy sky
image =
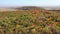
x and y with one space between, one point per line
29 3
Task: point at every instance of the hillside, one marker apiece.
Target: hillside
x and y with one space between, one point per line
30 21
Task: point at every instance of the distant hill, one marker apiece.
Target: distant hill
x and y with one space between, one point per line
29 8
22 8
37 8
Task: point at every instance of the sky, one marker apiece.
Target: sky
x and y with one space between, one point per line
29 3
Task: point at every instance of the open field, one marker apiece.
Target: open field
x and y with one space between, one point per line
30 22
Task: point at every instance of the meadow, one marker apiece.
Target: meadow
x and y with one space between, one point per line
30 22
